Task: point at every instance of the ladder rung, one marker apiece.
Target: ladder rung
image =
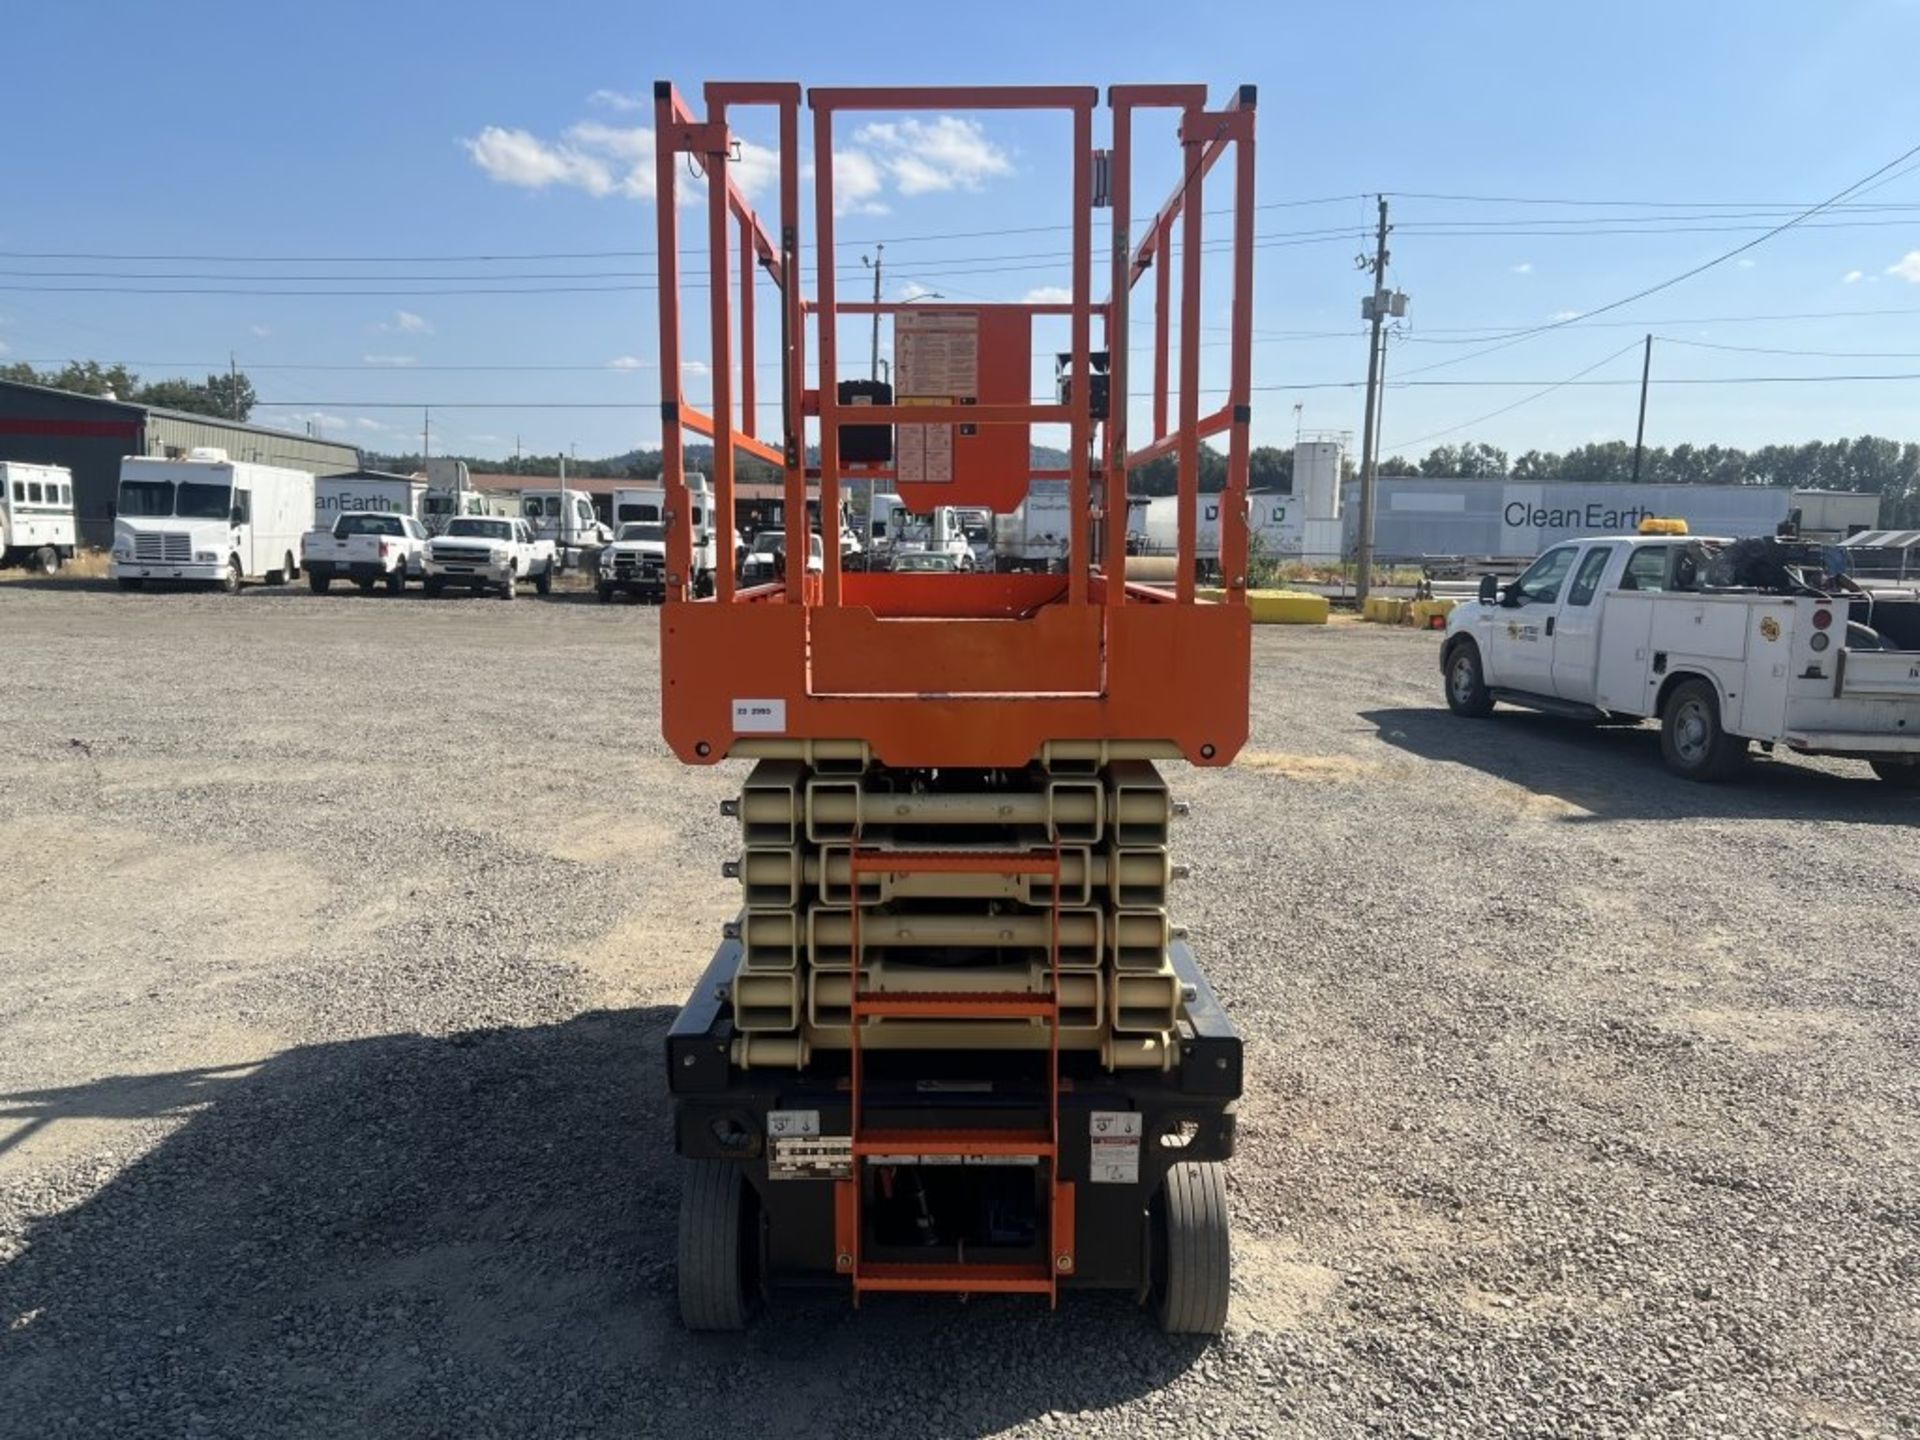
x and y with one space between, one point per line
955 1142
954 1005
1032 1279
953 862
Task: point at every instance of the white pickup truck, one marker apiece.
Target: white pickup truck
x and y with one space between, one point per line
485 552
635 563
1725 642
366 547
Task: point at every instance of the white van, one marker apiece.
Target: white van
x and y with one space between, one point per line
36 515
208 518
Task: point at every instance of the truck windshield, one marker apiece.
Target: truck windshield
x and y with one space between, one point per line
146 497
632 511
366 524
770 542
643 532
439 504
200 501
475 528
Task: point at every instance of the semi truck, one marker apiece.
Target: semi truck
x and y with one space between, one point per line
36 516
1725 643
209 519
952 1043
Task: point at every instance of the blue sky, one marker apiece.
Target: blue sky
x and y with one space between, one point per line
304 142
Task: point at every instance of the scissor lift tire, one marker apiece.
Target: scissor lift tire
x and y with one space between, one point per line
717 1246
1193 1267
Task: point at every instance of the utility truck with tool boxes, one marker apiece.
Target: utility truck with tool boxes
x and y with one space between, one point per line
1724 642
36 515
207 518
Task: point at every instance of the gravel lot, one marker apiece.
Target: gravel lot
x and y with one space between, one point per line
339 936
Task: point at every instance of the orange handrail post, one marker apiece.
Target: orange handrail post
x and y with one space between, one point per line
668 115
721 352
1190 215
829 376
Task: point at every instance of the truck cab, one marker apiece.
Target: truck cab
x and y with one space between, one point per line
1724 642
206 518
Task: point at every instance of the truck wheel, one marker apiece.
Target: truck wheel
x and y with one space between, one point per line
318 582
543 582
717 1247
433 585
365 587
510 586
230 582
132 582
605 592
1901 774
48 560
1192 1255
1692 741
397 579
1466 682
703 585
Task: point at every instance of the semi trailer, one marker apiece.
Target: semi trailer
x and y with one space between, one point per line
953 1042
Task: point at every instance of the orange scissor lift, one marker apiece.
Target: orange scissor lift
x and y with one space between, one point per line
952 1043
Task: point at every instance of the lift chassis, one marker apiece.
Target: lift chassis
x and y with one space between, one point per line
953 1043
789 1136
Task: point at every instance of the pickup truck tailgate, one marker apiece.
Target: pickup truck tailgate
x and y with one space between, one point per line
1880 672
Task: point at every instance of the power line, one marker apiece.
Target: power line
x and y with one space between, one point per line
1525 400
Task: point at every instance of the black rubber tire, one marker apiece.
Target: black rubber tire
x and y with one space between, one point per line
717 1247
605 592
365 587
1193 1250
317 582
703 586
543 582
1902 776
47 560
397 579
433 585
230 582
1692 741
1466 683
510 587
132 582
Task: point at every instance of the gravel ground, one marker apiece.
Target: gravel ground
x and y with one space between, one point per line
339 937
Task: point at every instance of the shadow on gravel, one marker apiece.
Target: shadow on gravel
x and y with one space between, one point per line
1615 772
471 1235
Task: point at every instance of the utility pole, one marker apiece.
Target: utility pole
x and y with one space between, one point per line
233 386
1640 435
873 367
426 431
1374 308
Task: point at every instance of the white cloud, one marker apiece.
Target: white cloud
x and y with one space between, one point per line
857 183
914 290
1525 267
1049 295
5 348
318 419
628 362
261 331
695 368
365 424
1560 315
1907 267
515 157
405 322
388 360
1747 264
944 153
1852 277
603 160
615 100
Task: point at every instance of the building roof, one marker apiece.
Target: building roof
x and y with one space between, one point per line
188 416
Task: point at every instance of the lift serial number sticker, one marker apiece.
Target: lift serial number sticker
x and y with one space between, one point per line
1115 1158
760 717
783 1123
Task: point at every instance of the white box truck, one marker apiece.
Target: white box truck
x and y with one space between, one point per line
36 516
207 518
337 495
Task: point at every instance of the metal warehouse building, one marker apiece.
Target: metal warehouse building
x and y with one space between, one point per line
90 435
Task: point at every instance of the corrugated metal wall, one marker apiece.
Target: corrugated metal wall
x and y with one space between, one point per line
89 436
